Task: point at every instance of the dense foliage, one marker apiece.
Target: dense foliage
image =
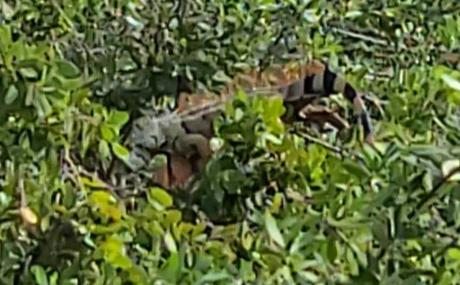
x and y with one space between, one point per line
276 205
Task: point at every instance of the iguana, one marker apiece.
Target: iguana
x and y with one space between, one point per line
184 135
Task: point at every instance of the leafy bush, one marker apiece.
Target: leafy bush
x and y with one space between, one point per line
275 205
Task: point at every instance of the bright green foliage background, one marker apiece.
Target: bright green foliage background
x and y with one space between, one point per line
272 207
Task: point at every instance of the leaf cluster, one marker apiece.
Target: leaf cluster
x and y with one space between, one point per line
276 204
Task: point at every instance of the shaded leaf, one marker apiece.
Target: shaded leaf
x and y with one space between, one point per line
67 69
11 94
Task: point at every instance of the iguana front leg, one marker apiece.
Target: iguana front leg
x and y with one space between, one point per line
188 155
191 145
175 173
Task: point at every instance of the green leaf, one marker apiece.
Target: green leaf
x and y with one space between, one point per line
120 151
104 149
39 274
113 249
121 261
28 72
93 182
133 22
379 230
161 196
331 250
173 217
158 161
170 243
454 253
54 278
118 118
352 263
5 42
171 268
212 277
361 255
43 106
100 197
220 76
137 275
11 94
67 69
273 230
449 166
453 97
451 82
310 276
357 170
107 132
7 10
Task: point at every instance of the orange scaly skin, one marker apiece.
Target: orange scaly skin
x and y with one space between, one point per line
189 132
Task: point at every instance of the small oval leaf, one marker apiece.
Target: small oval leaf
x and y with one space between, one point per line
28 72
11 94
67 69
120 151
161 196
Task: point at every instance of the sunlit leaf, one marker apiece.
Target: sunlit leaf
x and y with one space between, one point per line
118 118
101 197
28 216
170 243
161 196
28 72
6 10
114 253
40 275
454 253
173 216
107 133
273 230
120 151
451 168
451 82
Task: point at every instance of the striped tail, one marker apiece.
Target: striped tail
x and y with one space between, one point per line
318 78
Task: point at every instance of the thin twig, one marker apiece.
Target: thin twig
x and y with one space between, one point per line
424 202
322 143
361 37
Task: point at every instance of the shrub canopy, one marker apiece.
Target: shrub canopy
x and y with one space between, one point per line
274 206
